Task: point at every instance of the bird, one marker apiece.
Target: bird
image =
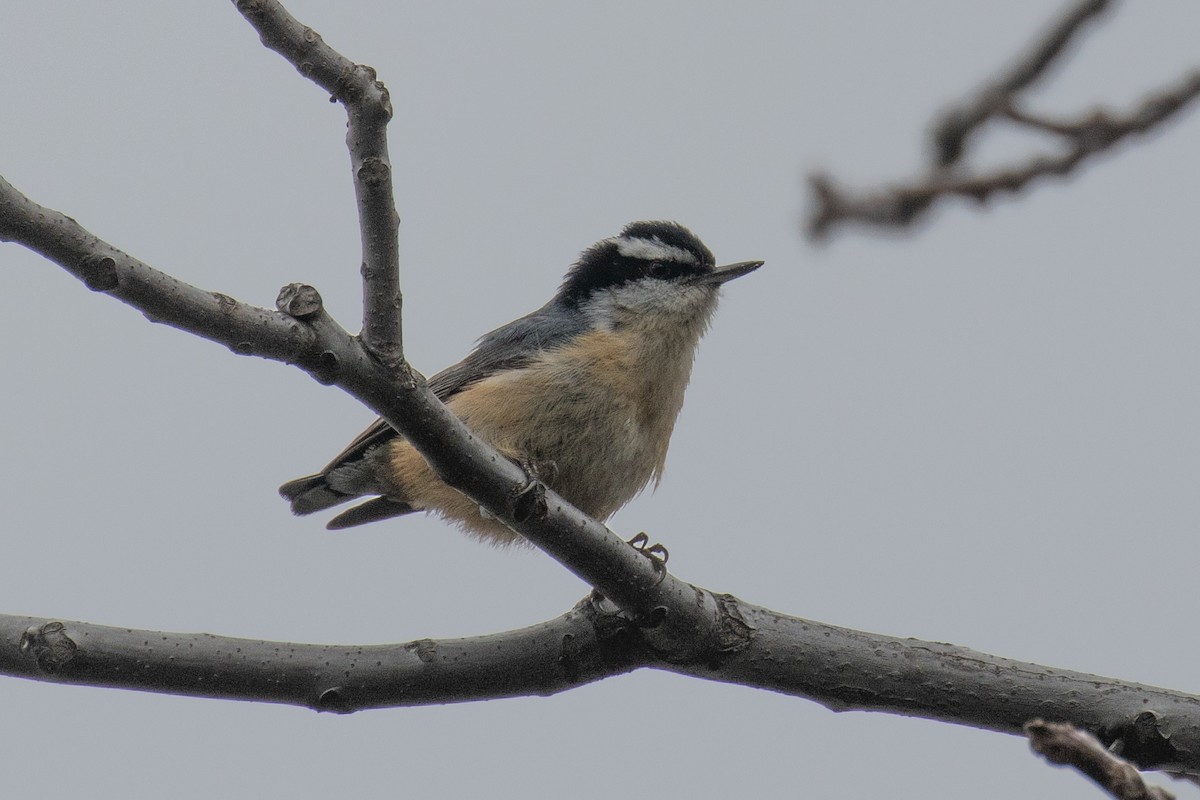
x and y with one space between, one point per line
582 393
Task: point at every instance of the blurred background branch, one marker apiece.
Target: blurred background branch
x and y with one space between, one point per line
901 204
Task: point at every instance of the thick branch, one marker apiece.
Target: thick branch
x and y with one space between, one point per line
852 670
840 668
369 109
539 660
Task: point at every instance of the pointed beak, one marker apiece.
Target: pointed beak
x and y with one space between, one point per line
727 273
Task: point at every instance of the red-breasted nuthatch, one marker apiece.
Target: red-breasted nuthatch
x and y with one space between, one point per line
583 392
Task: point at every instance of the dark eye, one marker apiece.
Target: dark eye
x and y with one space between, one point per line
658 269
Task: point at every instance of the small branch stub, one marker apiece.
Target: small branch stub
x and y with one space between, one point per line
299 300
99 273
375 172
49 645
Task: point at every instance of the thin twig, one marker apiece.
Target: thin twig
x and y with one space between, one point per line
956 124
369 109
1065 744
900 205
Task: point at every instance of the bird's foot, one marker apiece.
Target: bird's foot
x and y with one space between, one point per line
657 553
529 502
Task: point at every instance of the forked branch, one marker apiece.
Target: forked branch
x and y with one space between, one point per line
368 108
903 203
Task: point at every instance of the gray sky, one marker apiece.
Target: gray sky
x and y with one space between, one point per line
983 434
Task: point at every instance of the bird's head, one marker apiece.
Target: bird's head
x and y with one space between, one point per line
652 271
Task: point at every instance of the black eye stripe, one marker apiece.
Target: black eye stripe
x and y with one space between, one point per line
604 266
621 270
667 270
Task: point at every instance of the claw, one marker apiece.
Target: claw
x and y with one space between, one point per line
657 553
530 501
544 471
530 469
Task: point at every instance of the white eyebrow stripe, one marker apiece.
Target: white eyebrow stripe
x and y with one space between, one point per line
653 250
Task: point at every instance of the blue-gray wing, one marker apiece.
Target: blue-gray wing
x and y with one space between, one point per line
508 347
352 473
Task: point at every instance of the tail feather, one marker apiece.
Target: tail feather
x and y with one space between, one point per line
312 493
348 477
370 511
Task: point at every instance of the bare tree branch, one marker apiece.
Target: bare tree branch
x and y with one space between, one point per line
466 463
837 667
956 124
902 204
650 618
684 620
1066 744
542 659
369 109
